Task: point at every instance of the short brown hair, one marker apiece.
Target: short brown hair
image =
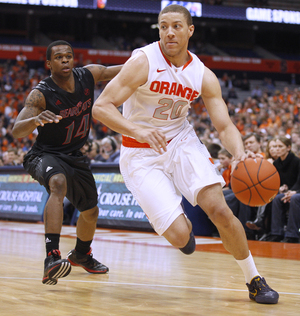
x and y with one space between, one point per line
179 9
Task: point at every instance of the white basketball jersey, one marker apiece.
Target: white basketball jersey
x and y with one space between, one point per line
164 100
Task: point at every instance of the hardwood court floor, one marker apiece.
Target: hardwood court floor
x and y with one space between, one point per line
146 277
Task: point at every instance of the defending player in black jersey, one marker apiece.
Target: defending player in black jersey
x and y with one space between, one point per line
60 108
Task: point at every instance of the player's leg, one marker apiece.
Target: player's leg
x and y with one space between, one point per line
155 192
180 235
55 267
82 193
53 213
212 201
82 254
233 236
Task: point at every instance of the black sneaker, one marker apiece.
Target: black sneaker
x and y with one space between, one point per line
55 267
260 292
86 261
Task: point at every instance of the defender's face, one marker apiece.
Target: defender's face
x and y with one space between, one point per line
62 60
174 33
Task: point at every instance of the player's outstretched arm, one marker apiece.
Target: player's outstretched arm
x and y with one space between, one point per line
33 114
218 112
103 73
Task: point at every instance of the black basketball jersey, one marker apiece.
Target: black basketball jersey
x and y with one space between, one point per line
72 131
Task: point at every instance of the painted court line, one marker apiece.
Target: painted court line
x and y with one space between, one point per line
148 285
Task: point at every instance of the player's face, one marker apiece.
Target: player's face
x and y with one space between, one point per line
174 33
62 60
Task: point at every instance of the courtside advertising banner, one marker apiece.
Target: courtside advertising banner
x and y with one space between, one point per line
21 197
117 206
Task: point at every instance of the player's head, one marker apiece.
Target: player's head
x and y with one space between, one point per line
57 43
175 8
175 29
60 59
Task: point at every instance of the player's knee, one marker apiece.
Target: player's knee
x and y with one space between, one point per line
58 184
190 247
221 216
91 215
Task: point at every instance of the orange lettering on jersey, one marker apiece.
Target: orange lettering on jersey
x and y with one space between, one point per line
164 87
173 88
194 95
180 91
155 86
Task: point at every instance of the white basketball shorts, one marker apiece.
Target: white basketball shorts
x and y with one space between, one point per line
158 181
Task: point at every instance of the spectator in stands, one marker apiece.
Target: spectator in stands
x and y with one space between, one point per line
256 92
91 149
232 93
269 86
245 84
288 167
21 60
271 151
262 221
109 150
225 159
244 212
10 157
252 142
214 149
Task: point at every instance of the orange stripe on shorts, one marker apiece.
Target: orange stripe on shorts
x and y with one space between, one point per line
133 143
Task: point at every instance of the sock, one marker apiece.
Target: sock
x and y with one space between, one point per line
52 242
248 267
83 246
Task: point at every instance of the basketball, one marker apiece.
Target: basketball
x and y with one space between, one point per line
255 182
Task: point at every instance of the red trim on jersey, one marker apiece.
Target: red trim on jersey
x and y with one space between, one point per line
170 64
133 143
188 61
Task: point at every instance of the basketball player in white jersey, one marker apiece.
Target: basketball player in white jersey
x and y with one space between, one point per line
161 156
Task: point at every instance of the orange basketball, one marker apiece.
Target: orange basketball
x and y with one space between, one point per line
255 182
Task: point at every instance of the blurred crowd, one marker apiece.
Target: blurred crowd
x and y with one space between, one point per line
266 111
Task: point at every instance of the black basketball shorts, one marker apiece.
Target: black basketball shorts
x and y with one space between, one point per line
81 187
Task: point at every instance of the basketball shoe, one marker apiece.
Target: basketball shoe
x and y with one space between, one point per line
55 267
86 261
260 292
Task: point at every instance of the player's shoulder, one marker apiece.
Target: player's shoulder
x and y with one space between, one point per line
80 72
45 84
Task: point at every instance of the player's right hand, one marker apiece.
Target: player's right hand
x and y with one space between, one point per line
156 139
47 117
